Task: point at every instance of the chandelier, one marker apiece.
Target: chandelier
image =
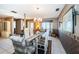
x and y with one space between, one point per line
37 19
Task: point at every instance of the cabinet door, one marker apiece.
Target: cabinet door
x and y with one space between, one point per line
5 26
1 27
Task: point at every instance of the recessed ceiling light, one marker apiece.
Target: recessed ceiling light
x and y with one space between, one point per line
37 8
57 9
13 11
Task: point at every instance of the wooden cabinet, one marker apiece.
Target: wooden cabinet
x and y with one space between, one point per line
1 26
6 29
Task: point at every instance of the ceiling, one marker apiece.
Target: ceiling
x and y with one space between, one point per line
31 10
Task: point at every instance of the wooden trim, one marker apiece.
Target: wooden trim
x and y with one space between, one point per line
68 10
61 14
61 11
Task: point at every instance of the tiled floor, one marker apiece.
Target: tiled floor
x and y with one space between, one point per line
57 47
6 46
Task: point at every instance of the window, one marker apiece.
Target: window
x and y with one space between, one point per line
68 22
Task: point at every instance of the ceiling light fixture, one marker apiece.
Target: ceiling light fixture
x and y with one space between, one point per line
38 19
37 8
13 11
57 9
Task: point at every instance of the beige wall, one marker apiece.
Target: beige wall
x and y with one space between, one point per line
61 20
55 24
65 10
18 26
8 21
77 18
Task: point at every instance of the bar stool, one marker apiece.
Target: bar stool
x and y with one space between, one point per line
43 44
30 47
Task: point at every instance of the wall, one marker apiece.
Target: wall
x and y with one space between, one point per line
65 10
9 26
69 43
77 26
19 26
10 19
77 20
55 27
1 25
28 31
55 24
